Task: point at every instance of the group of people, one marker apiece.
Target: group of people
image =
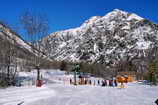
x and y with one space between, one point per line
112 83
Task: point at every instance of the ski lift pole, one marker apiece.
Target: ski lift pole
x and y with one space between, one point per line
38 72
38 84
76 69
75 82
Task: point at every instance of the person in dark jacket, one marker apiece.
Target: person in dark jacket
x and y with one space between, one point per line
90 82
156 102
70 81
98 82
115 82
103 83
85 82
110 83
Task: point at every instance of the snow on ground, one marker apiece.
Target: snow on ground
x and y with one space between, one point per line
134 94
15 95
59 93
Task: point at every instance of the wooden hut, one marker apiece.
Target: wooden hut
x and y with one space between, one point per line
130 76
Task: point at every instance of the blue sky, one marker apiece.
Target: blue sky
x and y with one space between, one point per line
65 14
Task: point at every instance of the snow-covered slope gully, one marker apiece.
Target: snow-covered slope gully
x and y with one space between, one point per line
109 38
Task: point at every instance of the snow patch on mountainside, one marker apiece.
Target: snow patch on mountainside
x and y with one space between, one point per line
134 16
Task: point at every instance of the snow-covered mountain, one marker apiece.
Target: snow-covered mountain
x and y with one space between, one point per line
11 42
109 38
7 34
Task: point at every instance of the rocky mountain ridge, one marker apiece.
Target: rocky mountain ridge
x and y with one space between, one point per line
117 36
14 48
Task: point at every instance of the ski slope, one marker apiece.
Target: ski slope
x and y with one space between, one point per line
133 94
59 93
15 95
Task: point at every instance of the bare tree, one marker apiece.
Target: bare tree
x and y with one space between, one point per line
36 27
8 54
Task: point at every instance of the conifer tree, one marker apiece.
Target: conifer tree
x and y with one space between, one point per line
153 72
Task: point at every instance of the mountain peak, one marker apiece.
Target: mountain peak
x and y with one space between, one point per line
104 38
118 10
117 13
130 15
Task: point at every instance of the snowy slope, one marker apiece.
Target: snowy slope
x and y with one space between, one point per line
59 93
105 39
133 94
13 96
10 35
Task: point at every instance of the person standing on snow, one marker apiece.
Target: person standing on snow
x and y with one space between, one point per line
103 83
106 82
90 82
70 81
94 82
98 82
115 82
156 102
110 82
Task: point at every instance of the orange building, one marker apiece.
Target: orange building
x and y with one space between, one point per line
129 76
